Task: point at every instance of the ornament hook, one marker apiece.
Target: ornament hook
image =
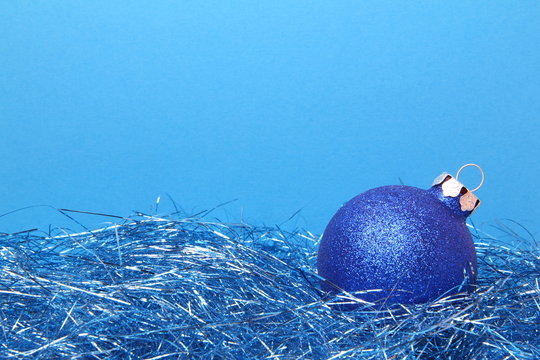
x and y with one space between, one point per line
481 173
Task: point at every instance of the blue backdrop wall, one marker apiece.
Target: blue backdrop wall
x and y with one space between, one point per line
284 105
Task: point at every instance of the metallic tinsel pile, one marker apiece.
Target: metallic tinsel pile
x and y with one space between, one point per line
156 288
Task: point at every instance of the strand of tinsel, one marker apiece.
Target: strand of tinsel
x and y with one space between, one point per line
161 288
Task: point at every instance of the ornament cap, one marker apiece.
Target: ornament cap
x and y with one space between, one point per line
452 188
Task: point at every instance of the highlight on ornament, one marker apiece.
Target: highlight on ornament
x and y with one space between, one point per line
183 287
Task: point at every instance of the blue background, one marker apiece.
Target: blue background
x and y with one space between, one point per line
285 105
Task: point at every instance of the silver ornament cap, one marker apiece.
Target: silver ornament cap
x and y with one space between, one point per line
452 187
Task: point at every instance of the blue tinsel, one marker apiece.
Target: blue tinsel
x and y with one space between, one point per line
156 288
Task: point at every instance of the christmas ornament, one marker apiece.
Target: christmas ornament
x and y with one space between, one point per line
402 244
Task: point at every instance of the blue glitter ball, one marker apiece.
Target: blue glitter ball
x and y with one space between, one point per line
407 244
